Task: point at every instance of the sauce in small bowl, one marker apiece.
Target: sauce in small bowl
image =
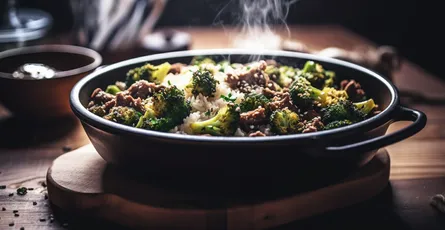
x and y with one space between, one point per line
36 81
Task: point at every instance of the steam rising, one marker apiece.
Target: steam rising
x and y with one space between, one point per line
257 18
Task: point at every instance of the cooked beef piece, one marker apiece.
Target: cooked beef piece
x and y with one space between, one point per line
353 89
176 68
270 93
310 114
257 134
100 97
142 89
254 117
313 125
249 80
281 101
129 101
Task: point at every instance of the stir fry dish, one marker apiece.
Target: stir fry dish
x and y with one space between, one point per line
259 98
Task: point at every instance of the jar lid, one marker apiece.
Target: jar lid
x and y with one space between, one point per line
166 41
34 25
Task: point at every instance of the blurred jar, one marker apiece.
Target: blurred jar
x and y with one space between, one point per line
115 28
21 27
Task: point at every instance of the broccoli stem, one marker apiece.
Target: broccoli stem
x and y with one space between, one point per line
209 126
112 89
309 67
147 115
366 106
161 72
318 95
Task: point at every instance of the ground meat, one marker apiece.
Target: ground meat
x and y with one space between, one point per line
249 80
353 89
271 93
310 114
142 89
281 101
100 97
176 68
129 101
313 125
257 134
254 117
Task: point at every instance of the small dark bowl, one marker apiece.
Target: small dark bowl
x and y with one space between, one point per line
321 152
46 97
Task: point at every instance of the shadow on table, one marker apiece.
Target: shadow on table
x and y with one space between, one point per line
19 132
376 213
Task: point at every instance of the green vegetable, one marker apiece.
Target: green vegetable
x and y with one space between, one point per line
337 124
199 60
346 110
284 121
203 82
252 101
304 95
123 115
171 103
228 98
223 65
22 191
316 75
148 72
283 75
224 123
112 89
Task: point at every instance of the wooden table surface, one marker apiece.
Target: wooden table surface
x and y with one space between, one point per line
417 163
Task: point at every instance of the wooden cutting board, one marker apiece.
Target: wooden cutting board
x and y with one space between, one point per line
81 182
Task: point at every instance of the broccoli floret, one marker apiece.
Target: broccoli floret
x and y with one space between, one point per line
199 60
113 89
365 106
149 121
317 75
337 124
203 82
148 72
123 115
304 95
333 96
347 110
252 101
99 110
171 103
284 121
224 123
283 75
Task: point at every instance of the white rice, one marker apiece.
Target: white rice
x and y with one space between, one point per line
201 104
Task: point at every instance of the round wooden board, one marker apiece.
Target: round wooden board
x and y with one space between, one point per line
81 182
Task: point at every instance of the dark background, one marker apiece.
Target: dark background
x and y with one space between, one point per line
413 26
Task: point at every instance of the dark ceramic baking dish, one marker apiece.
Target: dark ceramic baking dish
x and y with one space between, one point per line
341 148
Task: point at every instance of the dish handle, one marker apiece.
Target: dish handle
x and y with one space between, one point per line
402 114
